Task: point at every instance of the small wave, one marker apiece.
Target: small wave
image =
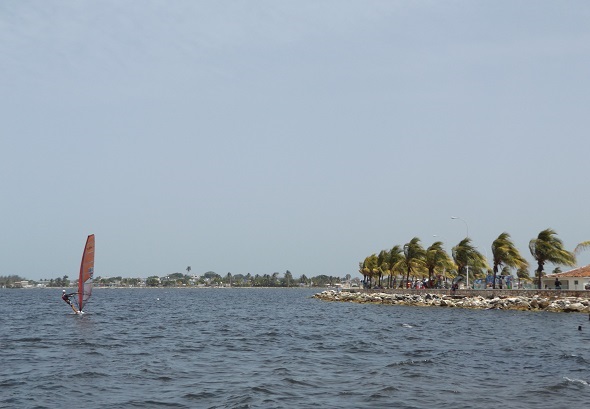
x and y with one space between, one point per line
409 362
576 381
566 383
30 339
152 404
297 382
412 338
280 371
140 353
90 374
577 358
186 350
239 401
11 382
407 326
263 390
198 396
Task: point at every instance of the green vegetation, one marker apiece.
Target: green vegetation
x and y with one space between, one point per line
10 281
437 259
208 279
547 247
411 261
505 254
15 281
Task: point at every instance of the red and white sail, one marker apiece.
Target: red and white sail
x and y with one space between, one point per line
86 273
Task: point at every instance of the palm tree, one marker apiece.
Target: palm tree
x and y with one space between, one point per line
437 258
288 278
188 269
396 263
414 255
547 247
523 274
582 246
506 254
362 270
274 279
368 268
382 265
465 255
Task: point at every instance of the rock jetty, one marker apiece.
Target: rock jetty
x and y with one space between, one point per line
534 303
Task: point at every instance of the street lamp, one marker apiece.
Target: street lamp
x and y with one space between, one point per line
406 247
467 227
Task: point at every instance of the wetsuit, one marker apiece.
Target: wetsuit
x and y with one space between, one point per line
66 298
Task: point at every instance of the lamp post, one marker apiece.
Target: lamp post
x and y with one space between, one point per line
404 274
467 228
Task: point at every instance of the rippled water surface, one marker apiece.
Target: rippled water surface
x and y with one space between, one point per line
267 348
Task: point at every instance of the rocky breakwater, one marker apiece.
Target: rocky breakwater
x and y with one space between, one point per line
534 303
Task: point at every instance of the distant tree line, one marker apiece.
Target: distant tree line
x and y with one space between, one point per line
10 280
210 278
248 280
107 281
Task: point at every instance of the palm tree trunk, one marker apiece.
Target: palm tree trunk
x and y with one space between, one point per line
495 272
539 275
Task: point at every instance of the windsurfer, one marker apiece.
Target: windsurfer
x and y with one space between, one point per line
66 298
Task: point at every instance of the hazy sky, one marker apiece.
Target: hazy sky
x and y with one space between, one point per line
263 136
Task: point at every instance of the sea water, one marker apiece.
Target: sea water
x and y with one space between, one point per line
281 348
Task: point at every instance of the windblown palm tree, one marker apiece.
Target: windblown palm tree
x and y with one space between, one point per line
465 255
396 263
437 258
582 246
547 247
414 255
506 254
368 268
382 265
523 275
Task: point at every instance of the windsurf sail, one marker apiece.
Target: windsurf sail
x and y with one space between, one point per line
86 273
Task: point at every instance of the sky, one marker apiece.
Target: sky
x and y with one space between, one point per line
264 136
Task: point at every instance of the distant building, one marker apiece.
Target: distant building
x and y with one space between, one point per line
576 279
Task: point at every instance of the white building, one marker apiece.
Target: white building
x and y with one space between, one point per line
576 279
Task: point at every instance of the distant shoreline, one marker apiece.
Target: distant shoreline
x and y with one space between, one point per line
163 288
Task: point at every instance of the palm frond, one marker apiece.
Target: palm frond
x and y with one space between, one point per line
582 246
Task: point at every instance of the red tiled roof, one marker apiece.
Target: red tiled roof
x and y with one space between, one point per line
576 272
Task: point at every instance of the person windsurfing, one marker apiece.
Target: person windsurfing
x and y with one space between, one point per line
66 298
